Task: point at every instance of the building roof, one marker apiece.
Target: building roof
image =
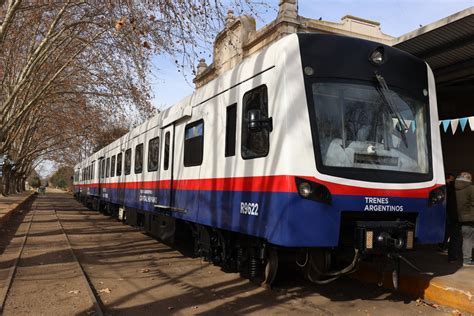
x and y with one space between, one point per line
447 45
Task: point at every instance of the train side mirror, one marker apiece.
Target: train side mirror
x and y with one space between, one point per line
256 123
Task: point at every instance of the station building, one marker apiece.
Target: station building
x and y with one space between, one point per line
446 45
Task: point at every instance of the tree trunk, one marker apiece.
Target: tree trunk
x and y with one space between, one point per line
6 180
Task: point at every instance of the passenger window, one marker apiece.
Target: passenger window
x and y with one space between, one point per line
230 130
193 143
256 125
107 168
139 158
128 161
153 153
92 170
102 172
112 166
119 164
166 162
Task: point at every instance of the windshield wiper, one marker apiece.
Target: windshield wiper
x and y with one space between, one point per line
385 93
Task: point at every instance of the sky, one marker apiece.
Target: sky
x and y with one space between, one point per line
397 17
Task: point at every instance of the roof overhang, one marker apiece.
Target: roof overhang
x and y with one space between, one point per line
446 45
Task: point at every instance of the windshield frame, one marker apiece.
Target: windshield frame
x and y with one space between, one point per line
365 174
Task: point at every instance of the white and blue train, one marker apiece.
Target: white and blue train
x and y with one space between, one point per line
316 147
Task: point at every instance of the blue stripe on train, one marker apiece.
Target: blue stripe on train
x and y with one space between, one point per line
284 218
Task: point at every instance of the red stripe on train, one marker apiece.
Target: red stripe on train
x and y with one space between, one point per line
262 184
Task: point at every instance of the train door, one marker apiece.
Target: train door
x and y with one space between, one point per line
166 170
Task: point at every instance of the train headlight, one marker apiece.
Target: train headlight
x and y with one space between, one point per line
313 191
437 196
377 57
305 189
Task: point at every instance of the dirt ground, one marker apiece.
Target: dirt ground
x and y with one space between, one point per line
134 274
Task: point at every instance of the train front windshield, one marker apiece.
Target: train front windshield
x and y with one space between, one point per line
358 128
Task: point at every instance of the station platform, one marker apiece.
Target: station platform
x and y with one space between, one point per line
441 282
10 203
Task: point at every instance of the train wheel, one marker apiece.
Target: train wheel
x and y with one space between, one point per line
271 268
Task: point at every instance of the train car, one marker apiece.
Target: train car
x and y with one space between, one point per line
318 148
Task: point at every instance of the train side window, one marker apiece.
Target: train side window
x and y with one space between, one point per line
93 170
166 162
153 153
128 161
107 168
230 130
102 167
119 164
193 143
112 166
139 158
256 125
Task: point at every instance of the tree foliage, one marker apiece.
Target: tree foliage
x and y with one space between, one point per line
62 178
69 69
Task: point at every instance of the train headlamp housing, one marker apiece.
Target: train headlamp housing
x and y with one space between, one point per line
313 191
377 57
437 196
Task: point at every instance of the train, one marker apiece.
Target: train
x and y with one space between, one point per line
320 149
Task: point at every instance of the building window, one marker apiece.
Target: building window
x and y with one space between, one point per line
166 162
128 161
193 143
112 166
139 158
107 168
256 125
153 153
230 130
119 164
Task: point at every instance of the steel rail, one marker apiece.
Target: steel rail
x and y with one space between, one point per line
12 272
90 290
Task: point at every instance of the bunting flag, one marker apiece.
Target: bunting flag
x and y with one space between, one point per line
454 123
471 123
463 122
445 125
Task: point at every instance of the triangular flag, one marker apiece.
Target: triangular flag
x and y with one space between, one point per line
463 122
471 123
454 125
445 125
413 126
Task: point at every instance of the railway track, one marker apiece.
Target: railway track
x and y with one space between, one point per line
24 269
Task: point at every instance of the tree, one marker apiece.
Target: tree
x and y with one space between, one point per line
34 180
62 178
68 68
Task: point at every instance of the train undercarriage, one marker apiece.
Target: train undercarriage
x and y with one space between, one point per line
259 260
